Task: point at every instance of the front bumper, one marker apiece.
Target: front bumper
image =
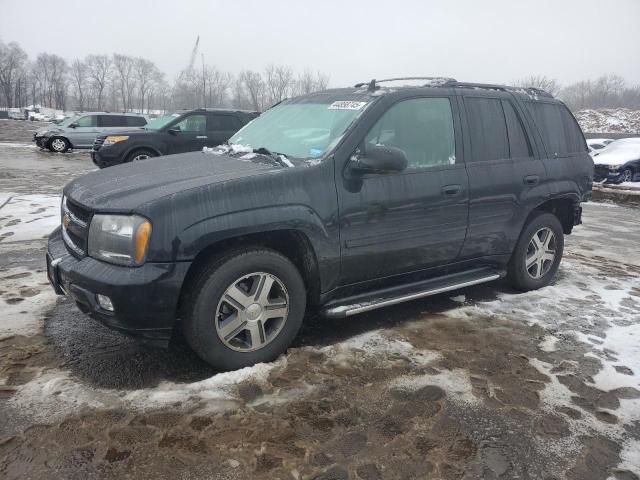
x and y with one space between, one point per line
145 299
603 174
108 156
41 140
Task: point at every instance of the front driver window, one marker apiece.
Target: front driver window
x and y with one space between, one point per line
193 123
422 128
87 121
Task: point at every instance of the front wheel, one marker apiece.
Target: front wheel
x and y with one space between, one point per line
59 144
627 176
140 155
536 258
244 308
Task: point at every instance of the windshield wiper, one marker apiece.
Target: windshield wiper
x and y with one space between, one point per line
281 158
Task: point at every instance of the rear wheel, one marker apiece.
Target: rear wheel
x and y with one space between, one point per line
244 308
59 144
140 155
536 258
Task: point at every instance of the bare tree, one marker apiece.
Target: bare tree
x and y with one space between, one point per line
124 67
216 86
279 81
308 82
254 88
12 62
79 80
146 73
99 68
542 82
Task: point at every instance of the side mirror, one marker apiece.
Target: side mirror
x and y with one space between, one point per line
379 159
174 131
73 125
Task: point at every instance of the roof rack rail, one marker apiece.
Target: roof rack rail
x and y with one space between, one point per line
371 86
491 86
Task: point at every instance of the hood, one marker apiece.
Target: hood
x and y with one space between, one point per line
618 154
49 129
126 187
133 132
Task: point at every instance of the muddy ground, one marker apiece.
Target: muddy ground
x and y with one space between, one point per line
481 383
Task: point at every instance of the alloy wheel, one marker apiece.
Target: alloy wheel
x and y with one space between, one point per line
252 312
142 156
58 144
541 252
627 175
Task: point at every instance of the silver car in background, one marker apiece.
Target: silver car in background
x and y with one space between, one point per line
81 130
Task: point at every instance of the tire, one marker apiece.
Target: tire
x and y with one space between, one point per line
59 144
542 268
140 155
219 321
627 175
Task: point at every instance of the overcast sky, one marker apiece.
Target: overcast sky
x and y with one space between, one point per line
351 41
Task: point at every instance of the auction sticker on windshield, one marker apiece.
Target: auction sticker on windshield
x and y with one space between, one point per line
346 105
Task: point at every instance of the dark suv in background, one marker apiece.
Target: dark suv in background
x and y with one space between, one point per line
184 131
341 201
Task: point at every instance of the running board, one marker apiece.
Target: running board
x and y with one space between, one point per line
346 307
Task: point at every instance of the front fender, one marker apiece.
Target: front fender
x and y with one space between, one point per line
204 233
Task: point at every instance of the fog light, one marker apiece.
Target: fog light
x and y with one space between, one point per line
105 302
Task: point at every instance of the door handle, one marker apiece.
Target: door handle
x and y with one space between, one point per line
451 190
531 180
201 137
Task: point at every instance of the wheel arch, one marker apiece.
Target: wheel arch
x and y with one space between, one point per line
293 244
562 207
141 147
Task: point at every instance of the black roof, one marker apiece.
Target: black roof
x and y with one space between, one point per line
378 87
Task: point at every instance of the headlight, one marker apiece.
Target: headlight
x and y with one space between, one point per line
614 168
120 239
111 139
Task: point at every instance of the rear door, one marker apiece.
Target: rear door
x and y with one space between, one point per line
112 123
506 178
190 134
396 223
221 127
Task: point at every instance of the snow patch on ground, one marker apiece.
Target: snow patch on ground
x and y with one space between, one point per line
28 217
26 296
609 120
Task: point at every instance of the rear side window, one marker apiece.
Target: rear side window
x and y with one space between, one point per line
487 129
136 121
518 142
113 121
223 122
422 128
560 132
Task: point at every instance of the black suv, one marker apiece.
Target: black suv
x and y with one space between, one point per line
185 131
341 201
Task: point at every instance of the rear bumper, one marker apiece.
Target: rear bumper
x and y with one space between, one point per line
145 299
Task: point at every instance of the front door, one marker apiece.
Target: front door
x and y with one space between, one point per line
189 134
396 223
85 131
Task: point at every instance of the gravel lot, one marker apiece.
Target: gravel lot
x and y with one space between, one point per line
481 383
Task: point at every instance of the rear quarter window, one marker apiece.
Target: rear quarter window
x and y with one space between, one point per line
560 132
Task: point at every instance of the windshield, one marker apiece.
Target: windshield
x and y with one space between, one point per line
158 123
305 127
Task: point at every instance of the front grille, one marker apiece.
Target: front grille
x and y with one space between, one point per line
75 227
97 144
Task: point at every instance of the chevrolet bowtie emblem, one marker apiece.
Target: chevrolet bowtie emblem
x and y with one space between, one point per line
66 220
